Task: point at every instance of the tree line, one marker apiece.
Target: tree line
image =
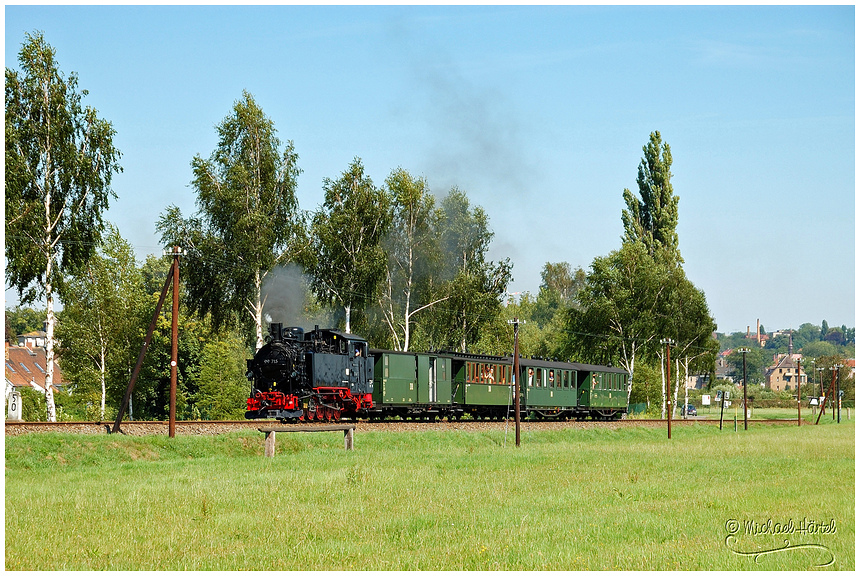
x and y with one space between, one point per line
389 261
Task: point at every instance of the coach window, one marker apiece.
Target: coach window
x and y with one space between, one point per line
531 377
538 378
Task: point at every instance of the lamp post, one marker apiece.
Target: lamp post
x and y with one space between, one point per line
746 410
668 342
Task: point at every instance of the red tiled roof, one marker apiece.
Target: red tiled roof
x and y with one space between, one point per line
27 365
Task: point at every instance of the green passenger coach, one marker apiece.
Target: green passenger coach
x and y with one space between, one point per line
602 391
411 385
452 385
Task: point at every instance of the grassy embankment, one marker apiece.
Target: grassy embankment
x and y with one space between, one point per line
575 499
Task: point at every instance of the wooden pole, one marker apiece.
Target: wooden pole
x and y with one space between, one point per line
667 342
517 379
829 395
174 347
798 391
146 342
746 408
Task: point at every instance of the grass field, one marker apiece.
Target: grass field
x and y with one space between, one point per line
775 497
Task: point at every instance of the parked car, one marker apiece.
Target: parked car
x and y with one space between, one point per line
691 410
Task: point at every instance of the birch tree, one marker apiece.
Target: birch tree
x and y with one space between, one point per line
474 287
100 318
624 297
345 257
248 215
60 160
412 246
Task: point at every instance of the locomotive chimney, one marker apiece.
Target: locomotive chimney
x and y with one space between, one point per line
276 331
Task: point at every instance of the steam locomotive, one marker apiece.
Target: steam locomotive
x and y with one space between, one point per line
321 375
328 375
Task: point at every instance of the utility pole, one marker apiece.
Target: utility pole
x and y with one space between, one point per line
172 276
668 342
838 396
829 394
174 340
516 323
798 390
746 410
820 382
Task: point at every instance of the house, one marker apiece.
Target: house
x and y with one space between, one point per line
25 367
722 371
34 339
783 374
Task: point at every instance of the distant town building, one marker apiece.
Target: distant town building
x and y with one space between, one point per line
722 370
783 374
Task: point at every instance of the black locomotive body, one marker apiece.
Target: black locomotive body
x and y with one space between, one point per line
320 375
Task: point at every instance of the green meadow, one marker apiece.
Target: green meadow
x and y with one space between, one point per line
774 497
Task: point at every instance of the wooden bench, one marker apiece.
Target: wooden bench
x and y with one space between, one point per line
347 430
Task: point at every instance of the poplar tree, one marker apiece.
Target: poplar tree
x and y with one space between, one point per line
639 294
60 159
652 218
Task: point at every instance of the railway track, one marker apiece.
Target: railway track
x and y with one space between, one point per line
198 427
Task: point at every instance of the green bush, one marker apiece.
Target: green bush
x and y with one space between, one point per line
33 408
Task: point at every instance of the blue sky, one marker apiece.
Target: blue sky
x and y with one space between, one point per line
538 113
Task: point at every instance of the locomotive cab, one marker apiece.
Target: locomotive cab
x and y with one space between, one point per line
340 360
